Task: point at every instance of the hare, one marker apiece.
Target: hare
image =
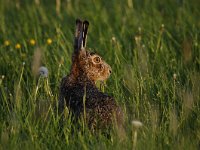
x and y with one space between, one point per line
78 91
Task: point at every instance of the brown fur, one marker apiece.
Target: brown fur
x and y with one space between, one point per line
87 66
86 69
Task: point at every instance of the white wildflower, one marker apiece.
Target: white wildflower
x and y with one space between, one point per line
113 39
137 124
174 76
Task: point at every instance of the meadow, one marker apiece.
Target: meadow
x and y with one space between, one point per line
152 46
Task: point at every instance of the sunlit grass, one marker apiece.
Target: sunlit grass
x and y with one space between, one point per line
153 49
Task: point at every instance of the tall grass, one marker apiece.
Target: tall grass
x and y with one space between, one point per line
154 51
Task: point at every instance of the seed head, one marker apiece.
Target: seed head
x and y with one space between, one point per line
139 29
113 39
137 124
137 40
43 71
62 61
162 28
174 76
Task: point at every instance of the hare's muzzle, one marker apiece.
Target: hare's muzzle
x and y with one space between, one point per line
105 73
109 69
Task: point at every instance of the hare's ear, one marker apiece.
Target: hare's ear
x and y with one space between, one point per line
85 31
78 41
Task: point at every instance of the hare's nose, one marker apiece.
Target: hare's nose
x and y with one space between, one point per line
110 71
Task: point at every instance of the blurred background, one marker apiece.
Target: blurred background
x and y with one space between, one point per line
154 51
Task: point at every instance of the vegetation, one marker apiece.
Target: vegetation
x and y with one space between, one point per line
154 51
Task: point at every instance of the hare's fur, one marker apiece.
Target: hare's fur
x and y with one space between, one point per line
87 68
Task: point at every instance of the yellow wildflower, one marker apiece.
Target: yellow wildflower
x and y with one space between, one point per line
17 46
49 41
32 42
6 43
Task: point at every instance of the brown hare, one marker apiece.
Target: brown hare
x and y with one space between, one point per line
78 90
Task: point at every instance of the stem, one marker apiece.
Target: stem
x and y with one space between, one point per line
36 90
18 89
84 100
134 139
48 88
20 79
174 94
159 41
58 4
102 83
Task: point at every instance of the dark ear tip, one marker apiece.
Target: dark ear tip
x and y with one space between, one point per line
86 22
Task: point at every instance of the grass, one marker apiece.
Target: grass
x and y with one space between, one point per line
154 51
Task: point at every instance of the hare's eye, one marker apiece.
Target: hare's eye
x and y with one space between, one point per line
97 59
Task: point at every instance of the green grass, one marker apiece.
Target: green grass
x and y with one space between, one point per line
154 51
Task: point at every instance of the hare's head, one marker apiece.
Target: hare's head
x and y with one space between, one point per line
93 66
87 63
